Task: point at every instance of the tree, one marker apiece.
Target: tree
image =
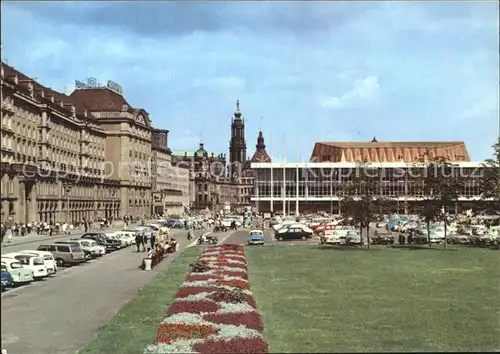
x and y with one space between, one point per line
442 184
362 198
491 178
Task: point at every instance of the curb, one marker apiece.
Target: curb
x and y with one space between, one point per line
46 238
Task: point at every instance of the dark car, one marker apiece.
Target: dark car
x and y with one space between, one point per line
293 232
101 239
6 278
382 238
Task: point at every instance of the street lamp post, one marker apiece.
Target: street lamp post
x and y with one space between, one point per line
67 191
142 193
112 193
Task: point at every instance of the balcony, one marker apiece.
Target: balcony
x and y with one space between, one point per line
8 107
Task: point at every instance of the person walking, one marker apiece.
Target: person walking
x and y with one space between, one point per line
153 239
138 242
144 241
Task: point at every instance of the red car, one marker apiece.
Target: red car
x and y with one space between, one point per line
323 226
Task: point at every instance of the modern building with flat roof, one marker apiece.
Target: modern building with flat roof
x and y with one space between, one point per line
303 187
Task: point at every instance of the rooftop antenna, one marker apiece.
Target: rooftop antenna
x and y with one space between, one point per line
201 136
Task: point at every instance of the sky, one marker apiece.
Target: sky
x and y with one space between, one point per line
303 71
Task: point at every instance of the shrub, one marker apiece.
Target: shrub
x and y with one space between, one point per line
235 296
199 267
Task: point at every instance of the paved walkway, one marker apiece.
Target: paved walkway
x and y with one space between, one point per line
61 314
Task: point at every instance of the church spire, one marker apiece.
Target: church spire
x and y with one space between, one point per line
261 146
237 113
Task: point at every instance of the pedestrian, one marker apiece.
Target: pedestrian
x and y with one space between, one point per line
153 239
144 241
138 242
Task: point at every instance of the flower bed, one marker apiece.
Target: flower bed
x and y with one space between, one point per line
214 311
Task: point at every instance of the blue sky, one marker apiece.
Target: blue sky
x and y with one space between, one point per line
325 71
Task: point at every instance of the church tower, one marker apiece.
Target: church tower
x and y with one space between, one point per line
237 144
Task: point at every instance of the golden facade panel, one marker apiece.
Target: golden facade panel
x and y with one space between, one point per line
375 151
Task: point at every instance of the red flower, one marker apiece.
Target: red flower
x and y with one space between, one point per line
235 283
248 319
193 307
194 290
230 273
250 346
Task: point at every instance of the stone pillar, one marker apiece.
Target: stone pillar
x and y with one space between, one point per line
5 210
32 201
124 197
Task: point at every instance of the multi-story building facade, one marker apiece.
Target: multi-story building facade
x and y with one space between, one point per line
128 144
319 186
71 157
170 184
207 173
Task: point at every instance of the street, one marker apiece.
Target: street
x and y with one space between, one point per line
62 313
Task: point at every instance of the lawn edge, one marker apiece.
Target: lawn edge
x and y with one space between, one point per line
104 332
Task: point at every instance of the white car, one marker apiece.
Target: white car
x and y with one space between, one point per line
31 262
353 238
48 259
330 237
127 235
117 237
20 274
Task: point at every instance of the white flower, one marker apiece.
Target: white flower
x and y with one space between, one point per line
196 297
178 346
228 307
228 332
184 317
233 269
228 278
198 283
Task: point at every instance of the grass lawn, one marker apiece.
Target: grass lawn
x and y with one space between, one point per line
322 299
135 326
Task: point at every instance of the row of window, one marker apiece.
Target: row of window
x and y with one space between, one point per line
393 190
332 174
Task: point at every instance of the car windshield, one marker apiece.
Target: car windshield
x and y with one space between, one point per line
93 243
48 257
16 265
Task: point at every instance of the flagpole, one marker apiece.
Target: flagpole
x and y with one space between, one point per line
297 209
284 176
272 176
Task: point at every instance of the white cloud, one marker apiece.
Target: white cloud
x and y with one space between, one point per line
221 83
362 90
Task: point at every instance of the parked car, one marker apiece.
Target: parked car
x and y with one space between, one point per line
64 254
31 262
20 275
6 278
128 234
89 247
256 237
352 238
112 236
48 259
382 238
294 232
101 239
144 230
124 237
330 237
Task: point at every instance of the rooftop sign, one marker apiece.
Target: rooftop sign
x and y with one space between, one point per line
93 83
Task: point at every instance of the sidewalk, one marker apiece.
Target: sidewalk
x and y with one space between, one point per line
33 237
